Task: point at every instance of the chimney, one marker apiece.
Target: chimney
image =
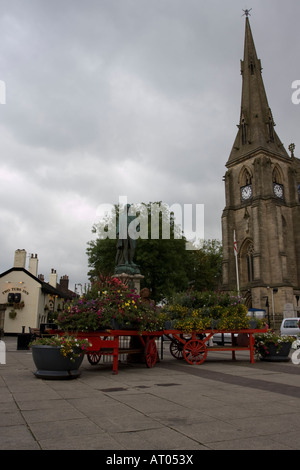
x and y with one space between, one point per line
20 259
33 264
53 278
41 277
64 283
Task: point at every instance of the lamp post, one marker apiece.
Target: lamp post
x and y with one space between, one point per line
268 307
274 291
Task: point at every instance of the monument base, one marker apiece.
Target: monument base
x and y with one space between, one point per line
133 281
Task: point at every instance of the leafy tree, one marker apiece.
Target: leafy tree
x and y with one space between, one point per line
162 261
206 264
165 263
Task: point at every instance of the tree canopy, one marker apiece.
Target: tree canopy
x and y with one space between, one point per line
165 263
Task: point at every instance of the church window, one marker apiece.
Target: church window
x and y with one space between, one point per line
250 264
246 177
271 129
247 262
245 181
276 176
271 125
244 131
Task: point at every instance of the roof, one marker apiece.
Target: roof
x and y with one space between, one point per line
45 286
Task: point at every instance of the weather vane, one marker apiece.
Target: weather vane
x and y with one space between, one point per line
247 12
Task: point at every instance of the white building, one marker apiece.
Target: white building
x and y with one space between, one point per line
26 300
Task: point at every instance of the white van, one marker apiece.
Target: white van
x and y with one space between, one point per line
290 326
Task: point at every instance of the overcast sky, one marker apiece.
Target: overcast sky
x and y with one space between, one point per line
136 98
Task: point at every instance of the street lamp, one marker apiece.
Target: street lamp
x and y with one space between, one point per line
274 291
268 307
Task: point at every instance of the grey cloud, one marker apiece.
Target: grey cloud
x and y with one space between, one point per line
126 97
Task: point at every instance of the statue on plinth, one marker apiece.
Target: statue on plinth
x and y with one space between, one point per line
126 245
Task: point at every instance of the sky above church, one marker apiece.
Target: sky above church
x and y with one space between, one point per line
139 98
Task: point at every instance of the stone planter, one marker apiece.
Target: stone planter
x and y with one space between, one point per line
51 364
277 354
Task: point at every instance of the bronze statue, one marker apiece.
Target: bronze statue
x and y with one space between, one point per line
125 246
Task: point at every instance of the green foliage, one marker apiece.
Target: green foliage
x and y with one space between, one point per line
206 264
197 311
109 304
166 265
70 347
264 341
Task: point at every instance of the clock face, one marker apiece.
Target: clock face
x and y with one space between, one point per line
278 190
246 192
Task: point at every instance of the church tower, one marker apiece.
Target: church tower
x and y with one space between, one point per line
262 211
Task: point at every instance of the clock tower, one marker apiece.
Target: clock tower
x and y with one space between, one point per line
262 211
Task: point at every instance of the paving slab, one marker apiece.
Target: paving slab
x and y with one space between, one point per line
219 405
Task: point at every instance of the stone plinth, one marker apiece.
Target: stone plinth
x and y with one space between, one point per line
133 281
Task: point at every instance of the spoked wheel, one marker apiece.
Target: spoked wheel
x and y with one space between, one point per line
94 358
194 351
176 349
151 353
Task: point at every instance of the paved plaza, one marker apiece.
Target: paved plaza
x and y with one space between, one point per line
221 404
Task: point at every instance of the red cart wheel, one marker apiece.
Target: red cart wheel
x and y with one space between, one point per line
94 358
176 349
195 351
151 353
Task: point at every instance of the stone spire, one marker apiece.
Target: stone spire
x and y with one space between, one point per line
256 126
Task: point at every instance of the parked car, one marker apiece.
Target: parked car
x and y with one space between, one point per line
290 326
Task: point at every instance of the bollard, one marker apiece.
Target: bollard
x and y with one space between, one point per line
2 352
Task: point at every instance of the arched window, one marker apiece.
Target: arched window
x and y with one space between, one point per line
271 125
250 265
277 182
245 181
277 175
247 262
243 127
245 177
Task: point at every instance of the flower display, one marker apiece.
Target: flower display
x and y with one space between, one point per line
109 304
196 311
70 346
266 342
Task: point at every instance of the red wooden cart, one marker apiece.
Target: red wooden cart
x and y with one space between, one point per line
192 347
195 346
107 343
